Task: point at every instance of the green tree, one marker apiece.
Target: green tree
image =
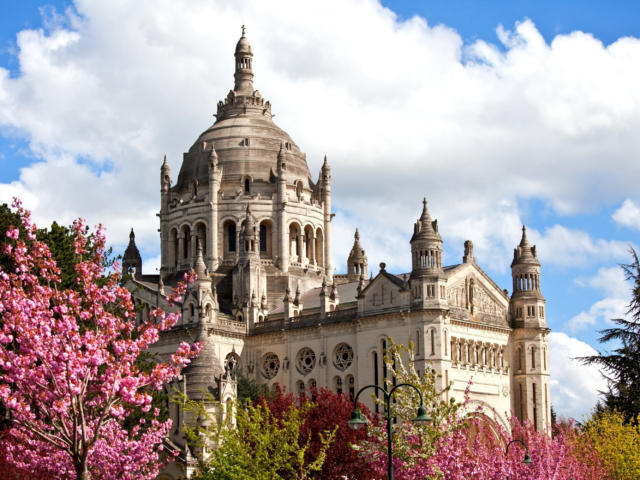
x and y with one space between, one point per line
262 446
617 443
622 366
59 239
413 442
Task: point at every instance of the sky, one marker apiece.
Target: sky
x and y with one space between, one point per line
500 113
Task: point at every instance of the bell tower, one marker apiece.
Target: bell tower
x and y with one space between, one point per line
529 341
427 277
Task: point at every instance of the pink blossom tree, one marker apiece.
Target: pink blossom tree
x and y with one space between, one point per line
68 374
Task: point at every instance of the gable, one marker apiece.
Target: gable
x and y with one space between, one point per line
382 294
469 288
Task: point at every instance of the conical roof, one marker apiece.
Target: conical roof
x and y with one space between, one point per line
426 228
524 253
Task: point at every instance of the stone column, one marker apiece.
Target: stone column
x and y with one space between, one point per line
313 250
180 247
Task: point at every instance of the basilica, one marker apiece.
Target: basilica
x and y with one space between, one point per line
247 215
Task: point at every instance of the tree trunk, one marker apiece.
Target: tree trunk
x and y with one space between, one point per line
82 472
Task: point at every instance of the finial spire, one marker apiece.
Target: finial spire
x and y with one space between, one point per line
525 240
357 234
132 236
244 72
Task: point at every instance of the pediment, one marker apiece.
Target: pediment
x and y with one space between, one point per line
471 289
384 292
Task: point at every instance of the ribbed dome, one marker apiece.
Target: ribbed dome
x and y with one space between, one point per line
244 136
229 138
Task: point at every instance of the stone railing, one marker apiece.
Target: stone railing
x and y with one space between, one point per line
304 321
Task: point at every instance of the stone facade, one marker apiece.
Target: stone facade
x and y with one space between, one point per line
246 214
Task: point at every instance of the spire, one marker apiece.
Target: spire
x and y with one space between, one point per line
524 242
334 291
282 164
131 260
296 300
244 73
357 260
200 267
425 227
325 164
524 252
164 162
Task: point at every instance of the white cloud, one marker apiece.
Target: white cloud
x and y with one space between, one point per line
570 247
628 215
612 283
574 386
402 109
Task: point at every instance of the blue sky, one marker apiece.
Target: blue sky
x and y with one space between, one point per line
499 112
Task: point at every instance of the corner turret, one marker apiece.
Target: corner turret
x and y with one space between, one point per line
131 260
357 261
427 277
529 339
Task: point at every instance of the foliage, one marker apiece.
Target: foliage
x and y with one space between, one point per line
263 446
69 377
249 389
616 442
413 442
622 367
468 445
329 412
59 239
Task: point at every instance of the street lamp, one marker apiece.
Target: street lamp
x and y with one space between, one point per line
527 458
357 420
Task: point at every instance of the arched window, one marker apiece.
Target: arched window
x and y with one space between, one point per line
231 237
247 186
191 312
376 380
263 238
383 344
300 387
519 354
337 383
351 385
417 346
446 344
433 342
533 357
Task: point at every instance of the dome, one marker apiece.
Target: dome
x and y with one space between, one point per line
243 47
245 138
244 143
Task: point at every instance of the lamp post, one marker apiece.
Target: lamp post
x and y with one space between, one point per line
358 421
527 459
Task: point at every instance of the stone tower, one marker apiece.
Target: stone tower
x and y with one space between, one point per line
529 338
357 261
131 260
245 158
427 279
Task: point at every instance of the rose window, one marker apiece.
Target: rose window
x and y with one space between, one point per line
305 361
270 365
343 356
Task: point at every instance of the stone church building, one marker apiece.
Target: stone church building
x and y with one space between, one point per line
247 215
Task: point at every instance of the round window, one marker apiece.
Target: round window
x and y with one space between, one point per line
343 356
270 365
305 360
